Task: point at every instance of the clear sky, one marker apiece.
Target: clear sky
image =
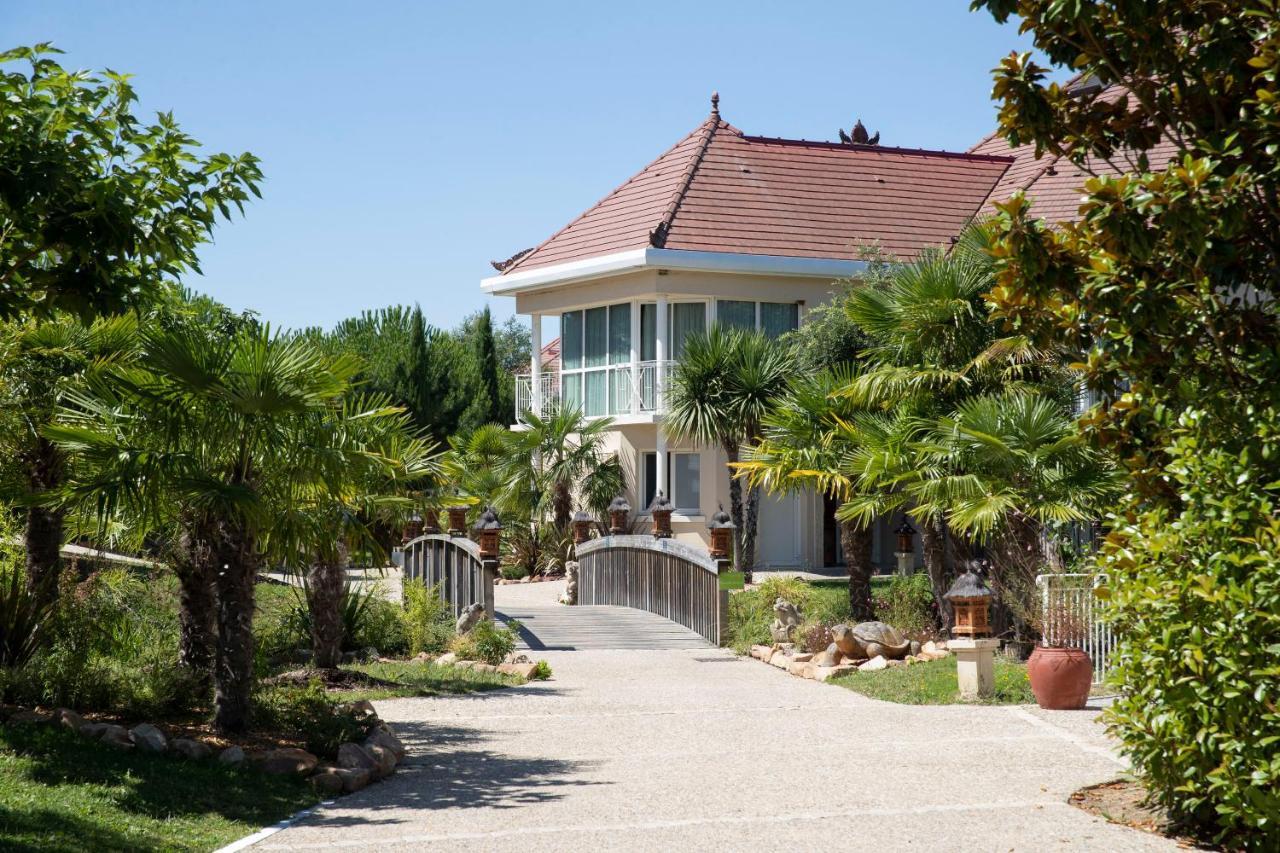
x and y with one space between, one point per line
406 144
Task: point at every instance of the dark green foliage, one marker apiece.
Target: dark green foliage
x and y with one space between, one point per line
98 210
907 604
542 672
311 715
24 619
62 793
428 623
486 401
487 641
369 620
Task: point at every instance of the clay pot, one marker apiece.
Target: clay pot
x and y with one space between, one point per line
1060 678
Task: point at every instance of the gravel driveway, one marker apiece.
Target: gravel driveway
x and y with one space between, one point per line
697 749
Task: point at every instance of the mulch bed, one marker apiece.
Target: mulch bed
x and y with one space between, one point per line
1124 802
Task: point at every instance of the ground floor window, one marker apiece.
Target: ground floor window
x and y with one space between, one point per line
683 477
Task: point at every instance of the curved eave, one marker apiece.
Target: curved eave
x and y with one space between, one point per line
668 259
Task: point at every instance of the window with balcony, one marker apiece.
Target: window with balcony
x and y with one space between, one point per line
772 318
683 472
595 343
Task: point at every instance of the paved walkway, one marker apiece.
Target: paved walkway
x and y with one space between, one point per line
696 749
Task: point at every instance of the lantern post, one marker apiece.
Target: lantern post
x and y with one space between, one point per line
972 642
906 552
661 511
619 509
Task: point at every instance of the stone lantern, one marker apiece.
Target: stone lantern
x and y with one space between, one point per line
661 511
487 533
618 512
431 520
457 520
581 527
974 648
412 528
906 547
721 527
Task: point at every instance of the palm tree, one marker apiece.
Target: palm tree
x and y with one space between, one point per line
207 421
718 395
807 442
566 450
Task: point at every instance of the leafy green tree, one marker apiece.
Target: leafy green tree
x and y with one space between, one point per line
97 209
1167 286
719 395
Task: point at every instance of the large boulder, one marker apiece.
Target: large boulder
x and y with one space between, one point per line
353 756
232 756
326 781
384 738
288 761
191 749
353 778
148 738
69 719
385 758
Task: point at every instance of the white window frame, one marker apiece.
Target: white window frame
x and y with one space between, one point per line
758 303
645 484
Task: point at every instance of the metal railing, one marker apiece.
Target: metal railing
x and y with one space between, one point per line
545 403
631 390
1072 617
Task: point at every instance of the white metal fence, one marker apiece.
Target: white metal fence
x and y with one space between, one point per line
1072 616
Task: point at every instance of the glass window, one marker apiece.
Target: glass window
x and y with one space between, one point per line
619 334
648 331
650 480
687 318
732 314
777 318
685 486
597 335
571 340
571 390
597 393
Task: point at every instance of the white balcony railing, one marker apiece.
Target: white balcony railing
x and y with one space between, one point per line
628 390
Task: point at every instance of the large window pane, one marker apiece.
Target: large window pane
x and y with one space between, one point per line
650 480
684 482
597 393
571 340
597 346
736 315
619 334
777 318
687 318
571 391
648 331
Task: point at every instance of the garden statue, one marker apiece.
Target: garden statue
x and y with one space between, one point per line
786 618
469 618
570 595
869 640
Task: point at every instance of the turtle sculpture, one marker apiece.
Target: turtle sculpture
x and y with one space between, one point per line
870 639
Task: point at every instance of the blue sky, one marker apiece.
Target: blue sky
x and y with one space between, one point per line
405 144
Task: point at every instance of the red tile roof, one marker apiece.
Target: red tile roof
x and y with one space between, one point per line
719 190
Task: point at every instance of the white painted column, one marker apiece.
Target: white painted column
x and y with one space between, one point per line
660 352
535 364
636 384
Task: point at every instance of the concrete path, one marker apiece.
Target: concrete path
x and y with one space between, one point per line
696 749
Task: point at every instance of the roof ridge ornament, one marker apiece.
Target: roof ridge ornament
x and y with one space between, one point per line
715 104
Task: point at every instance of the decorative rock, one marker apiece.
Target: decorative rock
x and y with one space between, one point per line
364 706
384 738
481 666
928 648
192 749
117 736
826 673
524 670
288 761
830 657
796 667
896 663
423 657
803 657
93 730
780 659
877 662
465 664
915 647
353 756
69 719
353 778
470 617
447 659
149 738
232 755
762 652
385 758
517 657
326 781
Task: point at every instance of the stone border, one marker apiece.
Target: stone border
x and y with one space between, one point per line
787 657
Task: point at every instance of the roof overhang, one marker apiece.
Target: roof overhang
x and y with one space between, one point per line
667 259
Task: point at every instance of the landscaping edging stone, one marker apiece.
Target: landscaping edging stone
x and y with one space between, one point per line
833 663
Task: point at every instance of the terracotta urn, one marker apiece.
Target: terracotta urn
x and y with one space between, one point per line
1060 678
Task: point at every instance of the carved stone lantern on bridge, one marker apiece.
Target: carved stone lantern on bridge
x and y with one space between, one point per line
412 528
487 533
431 520
581 527
619 509
457 520
661 511
721 527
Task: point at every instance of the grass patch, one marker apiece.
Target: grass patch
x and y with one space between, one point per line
425 679
731 580
61 792
934 683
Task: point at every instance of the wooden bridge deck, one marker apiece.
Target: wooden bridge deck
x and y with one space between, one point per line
546 625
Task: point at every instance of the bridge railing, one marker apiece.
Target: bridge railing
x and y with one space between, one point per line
455 566
661 576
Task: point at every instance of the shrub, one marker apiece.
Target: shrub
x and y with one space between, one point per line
487 641
907 604
368 619
383 628
428 622
542 671
813 637
310 715
1196 599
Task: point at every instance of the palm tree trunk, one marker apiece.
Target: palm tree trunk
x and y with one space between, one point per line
192 562
45 524
857 544
735 508
324 598
562 507
237 557
751 518
933 540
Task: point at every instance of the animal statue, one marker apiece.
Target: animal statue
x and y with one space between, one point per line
570 595
470 617
869 640
786 618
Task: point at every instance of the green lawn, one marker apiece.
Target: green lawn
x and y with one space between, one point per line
425 679
61 792
934 683
731 580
